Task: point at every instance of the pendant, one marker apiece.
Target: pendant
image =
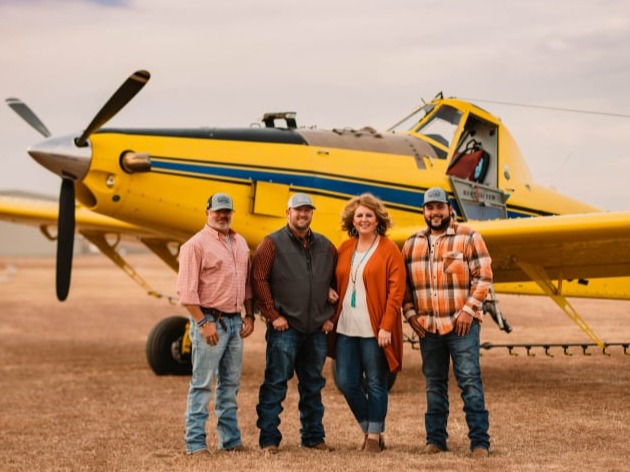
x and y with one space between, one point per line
353 298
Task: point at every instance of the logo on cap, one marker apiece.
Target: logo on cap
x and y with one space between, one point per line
220 201
300 199
435 194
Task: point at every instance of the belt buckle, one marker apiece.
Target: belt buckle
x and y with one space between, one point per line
218 316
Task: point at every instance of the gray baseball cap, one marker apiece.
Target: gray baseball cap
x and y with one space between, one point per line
435 195
220 201
300 199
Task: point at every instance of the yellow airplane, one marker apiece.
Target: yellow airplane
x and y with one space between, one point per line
151 185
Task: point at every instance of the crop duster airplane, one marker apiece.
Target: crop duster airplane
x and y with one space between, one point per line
151 185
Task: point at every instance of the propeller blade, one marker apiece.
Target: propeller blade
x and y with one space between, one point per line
121 97
27 115
65 238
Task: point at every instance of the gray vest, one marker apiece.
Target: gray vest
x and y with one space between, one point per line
300 279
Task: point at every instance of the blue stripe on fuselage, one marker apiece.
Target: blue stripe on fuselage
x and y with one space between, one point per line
395 196
391 196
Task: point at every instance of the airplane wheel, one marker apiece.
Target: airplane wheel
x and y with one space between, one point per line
391 379
164 347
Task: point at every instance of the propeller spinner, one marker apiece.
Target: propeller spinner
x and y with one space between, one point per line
51 155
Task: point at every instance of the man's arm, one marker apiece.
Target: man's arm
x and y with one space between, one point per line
480 266
409 309
248 321
261 272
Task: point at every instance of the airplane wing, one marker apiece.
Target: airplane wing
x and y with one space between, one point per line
42 213
587 254
102 231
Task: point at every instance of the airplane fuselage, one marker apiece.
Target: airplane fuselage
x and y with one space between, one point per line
161 178
259 167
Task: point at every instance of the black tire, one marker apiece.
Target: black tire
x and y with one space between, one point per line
391 379
164 347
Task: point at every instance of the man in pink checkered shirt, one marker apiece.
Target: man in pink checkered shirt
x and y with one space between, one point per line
213 284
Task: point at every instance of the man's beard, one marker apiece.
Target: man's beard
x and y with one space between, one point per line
301 224
445 223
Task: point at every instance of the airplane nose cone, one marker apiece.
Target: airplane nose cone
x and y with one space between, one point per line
61 156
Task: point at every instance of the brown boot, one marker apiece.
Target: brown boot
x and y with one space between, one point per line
432 449
479 453
372 446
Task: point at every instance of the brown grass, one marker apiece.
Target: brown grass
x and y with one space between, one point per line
76 392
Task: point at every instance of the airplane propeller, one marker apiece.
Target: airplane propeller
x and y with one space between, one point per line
66 216
121 97
22 109
65 238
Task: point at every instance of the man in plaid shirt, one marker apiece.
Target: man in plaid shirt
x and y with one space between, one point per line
214 285
448 277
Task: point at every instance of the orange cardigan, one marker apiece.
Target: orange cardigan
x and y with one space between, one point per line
384 278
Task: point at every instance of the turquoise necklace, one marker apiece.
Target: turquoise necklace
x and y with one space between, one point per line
353 276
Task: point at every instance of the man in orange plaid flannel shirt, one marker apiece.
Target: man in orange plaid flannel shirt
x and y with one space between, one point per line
448 277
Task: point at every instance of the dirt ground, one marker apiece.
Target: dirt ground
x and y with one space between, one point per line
76 392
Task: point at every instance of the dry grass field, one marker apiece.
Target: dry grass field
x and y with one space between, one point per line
76 392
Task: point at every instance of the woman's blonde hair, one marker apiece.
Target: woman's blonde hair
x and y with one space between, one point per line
367 200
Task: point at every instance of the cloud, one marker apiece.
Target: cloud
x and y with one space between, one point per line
349 63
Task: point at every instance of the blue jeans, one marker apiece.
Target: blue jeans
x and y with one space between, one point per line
437 350
356 357
288 352
225 361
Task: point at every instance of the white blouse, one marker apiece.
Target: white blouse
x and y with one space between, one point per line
355 321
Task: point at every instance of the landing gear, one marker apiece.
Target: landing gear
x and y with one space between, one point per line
168 347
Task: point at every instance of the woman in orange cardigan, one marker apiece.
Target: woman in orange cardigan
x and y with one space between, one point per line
367 339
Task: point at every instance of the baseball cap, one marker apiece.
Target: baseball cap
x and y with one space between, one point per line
300 199
220 201
435 194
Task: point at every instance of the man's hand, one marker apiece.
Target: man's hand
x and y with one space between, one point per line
280 323
463 323
333 296
415 325
327 326
248 327
209 332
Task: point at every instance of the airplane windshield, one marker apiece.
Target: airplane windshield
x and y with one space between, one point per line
441 127
410 121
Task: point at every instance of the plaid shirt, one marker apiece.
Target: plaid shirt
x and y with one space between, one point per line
213 274
455 276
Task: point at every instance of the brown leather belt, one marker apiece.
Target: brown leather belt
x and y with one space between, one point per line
215 312
218 315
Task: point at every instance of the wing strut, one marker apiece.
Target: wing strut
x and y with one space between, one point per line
538 275
100 241
162 250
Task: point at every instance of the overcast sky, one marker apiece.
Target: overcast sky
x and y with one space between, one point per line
337 63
